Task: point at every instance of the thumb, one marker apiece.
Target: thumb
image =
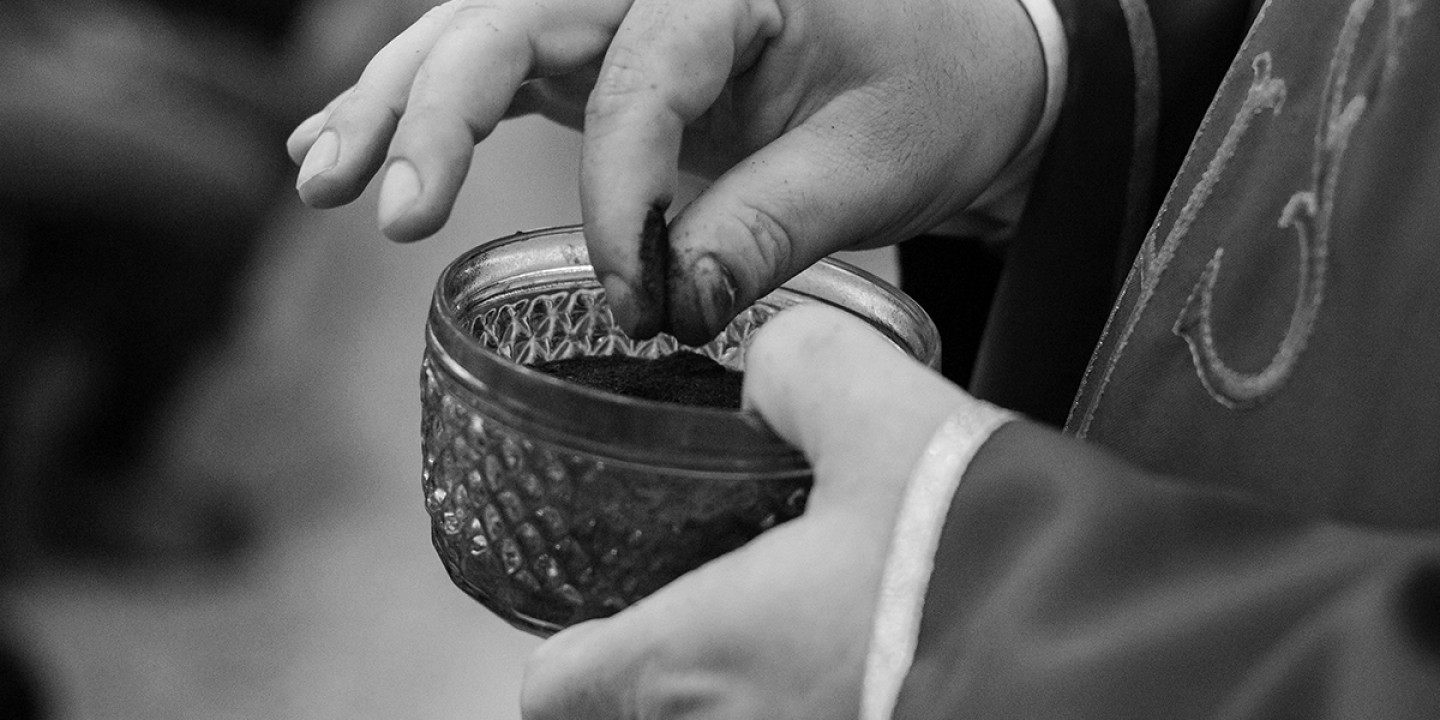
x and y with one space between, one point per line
859 408
833 183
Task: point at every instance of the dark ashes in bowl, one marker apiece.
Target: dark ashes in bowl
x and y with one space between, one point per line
683 377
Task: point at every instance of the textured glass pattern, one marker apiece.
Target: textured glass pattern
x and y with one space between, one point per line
573 322
546 535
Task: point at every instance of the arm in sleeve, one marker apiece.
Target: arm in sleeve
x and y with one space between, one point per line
1070 583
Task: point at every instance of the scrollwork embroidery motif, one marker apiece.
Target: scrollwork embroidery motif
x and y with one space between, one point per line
1308 214
1265 93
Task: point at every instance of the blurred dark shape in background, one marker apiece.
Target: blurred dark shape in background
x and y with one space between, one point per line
19 686
141 155
138 162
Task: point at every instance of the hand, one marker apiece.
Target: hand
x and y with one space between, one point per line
826 123
779 628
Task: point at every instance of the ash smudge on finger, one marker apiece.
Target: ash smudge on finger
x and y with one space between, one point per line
654 295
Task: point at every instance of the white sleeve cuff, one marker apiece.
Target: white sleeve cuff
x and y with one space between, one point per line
996 212
911 557
1057 58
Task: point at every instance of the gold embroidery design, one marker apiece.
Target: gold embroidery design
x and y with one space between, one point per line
1307 213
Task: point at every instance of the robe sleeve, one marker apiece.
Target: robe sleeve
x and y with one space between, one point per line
1068 583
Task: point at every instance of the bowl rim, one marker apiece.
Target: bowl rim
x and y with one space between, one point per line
621 429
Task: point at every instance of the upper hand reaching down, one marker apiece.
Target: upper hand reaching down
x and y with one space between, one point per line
826 124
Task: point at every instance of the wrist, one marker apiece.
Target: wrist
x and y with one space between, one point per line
996 211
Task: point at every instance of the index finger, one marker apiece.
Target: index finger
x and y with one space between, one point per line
666 66
464 88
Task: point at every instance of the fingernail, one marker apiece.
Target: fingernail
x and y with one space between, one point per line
716 292
322 156
310 125
398 192
621 300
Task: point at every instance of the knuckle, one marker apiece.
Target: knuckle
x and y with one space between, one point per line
620 83
441 11
363 109
482 13
659 686
771 241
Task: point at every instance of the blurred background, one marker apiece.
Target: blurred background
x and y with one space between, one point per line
209 417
